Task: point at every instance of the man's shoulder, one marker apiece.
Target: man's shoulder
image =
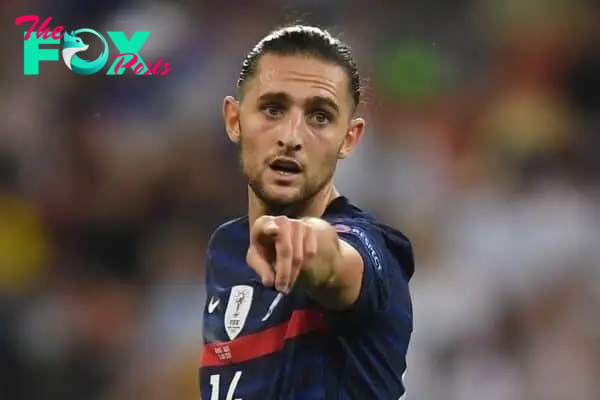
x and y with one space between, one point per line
226 251
224 233
349 219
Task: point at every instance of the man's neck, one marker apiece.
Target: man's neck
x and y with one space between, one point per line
315 207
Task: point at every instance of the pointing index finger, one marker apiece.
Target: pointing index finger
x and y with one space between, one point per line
265 226
283 258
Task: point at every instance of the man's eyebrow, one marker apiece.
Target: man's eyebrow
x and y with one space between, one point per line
285 98
322 101
278 97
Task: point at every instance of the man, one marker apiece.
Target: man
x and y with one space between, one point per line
307 295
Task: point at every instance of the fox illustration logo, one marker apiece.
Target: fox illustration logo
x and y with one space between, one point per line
73 44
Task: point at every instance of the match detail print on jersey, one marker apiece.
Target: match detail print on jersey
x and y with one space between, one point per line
364 239
238 308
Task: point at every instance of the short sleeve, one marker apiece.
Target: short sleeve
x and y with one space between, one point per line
382 275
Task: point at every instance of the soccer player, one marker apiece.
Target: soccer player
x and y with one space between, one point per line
307 295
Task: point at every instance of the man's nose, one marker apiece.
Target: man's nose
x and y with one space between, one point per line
291 132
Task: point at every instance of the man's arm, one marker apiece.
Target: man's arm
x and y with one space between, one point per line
333 277
306 253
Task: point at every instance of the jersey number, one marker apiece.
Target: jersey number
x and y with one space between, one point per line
215 384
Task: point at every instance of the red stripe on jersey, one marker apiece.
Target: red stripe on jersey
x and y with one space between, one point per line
262 343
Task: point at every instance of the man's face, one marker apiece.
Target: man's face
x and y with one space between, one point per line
292 125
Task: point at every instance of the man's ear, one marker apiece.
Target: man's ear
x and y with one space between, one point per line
357 128
231 117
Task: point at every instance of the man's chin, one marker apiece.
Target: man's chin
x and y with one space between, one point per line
281 196
278 195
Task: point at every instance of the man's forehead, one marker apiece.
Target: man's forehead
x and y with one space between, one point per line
300 76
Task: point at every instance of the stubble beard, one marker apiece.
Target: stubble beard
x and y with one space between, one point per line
279 205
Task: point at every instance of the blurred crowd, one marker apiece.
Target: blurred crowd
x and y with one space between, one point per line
482 145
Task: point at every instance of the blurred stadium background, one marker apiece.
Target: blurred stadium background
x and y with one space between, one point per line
483 146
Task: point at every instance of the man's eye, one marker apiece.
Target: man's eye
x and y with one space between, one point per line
273 111
320 118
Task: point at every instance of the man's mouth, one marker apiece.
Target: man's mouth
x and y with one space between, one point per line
285 166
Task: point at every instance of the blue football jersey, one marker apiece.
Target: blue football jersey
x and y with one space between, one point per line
259 344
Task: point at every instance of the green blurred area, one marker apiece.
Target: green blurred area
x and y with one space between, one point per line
413 72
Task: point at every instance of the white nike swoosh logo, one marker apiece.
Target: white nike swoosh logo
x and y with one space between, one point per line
212 305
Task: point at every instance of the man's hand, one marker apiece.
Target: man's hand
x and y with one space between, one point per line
282 250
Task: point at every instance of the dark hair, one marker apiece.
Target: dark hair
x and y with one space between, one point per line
304 40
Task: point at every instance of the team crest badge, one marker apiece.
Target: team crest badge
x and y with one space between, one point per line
238 308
